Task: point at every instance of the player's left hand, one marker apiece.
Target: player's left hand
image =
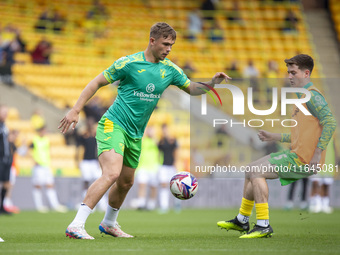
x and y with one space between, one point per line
219 77
314 163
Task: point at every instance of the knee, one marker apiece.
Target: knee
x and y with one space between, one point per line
111 177
250 175
125 185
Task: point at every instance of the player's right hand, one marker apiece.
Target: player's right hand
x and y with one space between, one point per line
71 117
265 136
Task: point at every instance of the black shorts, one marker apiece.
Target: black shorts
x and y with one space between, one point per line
5 170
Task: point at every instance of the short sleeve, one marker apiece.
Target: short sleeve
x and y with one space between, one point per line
179 78
117 70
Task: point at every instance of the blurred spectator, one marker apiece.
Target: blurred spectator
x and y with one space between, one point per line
8 34
10 43
50 20
251 71
272 71
96 17
215 33
220 140
42 52
196 159
188 69
88 162
272 76
168 146
5 159
146 173
9 52
323 180
233 70
208 8
37 119
290 22
8 203
234 15
221 136
58 22
97 10
21 43
94 109
43 20
42 173
195 24
5 69
290 201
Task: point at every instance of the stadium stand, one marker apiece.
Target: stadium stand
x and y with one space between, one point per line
80 52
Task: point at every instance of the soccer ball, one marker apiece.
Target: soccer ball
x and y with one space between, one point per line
183 185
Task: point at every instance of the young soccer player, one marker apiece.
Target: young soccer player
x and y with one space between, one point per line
42 175
146 173
309 140
143 78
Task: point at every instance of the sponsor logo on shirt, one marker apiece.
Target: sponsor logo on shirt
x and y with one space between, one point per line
150 88
148 96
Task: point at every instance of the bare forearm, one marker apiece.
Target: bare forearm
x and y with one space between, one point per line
85 95
199 88
276 137
90 89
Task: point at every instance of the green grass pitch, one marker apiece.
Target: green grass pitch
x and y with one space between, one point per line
188 232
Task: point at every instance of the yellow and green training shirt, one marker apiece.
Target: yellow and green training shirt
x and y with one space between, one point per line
141 86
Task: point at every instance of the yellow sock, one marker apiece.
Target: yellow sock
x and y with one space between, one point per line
262 211
246 207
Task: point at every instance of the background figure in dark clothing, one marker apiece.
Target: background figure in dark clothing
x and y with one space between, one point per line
8 203
208 8
94 109
88 164
168 146
6 158
292 187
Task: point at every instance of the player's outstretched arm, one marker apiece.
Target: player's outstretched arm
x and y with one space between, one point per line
72 116
266 136
197 88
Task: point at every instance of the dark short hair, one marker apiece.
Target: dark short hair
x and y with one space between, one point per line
162 29
302 61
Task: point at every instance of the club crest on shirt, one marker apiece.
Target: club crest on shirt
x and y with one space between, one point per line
162 71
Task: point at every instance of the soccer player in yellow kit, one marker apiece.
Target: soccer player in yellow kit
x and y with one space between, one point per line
143 78
309 140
